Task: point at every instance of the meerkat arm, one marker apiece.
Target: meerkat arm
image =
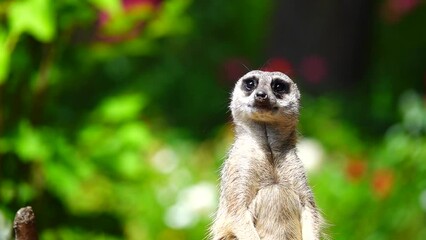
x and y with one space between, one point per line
234 218
309 230
311 219
244 227
234 226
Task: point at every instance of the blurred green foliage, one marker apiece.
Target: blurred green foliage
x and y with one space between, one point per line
113 120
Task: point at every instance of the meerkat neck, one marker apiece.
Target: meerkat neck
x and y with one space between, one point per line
276 137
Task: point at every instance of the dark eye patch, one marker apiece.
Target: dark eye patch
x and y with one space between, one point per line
280 86
250 84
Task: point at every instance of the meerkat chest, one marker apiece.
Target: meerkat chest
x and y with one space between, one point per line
259 164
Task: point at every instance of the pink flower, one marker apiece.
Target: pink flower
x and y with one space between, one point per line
234 68
280 65
394 10
135 14
314 68
103 18
132 4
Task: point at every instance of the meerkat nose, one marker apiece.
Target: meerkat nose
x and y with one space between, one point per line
261 96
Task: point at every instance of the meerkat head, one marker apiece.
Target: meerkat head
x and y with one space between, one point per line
265 97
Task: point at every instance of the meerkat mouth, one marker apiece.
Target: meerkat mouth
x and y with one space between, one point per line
263 107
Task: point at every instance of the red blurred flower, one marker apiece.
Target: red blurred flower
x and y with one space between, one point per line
279 65
394 10
103 18
356 169
383 181
234 68
132 4
134 15
314 68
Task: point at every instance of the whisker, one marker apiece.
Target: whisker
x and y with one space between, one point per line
266 64
248 70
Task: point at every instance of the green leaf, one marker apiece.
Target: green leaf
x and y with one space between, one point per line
129 164
7 191
34 17
4 57
134 134
29 144
111 6
172 19
121 108
61 180
25 192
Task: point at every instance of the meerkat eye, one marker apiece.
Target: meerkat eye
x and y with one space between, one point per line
280 86
250 83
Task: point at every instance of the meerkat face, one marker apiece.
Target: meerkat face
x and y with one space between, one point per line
265 96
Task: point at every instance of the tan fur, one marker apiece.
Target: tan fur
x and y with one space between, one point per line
264 191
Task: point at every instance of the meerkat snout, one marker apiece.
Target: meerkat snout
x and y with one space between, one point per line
263 101
261 96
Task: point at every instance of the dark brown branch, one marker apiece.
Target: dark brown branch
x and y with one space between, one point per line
24 224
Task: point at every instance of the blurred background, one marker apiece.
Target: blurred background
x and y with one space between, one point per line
114 119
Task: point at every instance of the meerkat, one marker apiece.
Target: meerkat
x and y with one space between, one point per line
264 192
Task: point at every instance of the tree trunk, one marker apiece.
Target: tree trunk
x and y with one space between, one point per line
24 224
